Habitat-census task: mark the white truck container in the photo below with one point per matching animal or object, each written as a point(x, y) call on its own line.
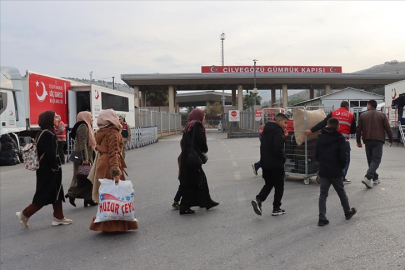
point(23, 99)
point(392, 92)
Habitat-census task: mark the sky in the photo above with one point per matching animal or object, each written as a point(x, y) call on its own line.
point(110, 38)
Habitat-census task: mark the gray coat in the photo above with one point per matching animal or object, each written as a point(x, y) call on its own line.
point(81, 145)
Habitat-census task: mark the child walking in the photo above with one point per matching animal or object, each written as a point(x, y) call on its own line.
point(272, 159)
point(331, 153)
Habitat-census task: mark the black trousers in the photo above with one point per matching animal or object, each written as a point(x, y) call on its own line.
point(272, 178)
point(61, 151)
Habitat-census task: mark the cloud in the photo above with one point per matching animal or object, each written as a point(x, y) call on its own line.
point(111, 38)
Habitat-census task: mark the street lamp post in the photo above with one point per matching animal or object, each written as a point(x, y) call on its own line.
point(222, 37)
point(254, 72)
point(254, 90)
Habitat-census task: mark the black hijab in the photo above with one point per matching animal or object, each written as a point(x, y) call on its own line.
point(46, 120)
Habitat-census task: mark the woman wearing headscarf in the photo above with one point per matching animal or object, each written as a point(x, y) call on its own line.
point(49, 189)
point(193, 182)
point(85, 143)
point(110, 164)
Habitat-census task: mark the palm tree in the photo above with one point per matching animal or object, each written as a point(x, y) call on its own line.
point(157, 98)
point(251, 99)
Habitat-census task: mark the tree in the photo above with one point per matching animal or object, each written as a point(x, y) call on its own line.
point(251, 99)
point(157, 98)
point(213, 110)
point(296, 101)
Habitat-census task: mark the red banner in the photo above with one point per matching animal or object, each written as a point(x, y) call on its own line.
point(271, 69)
point(46, 94)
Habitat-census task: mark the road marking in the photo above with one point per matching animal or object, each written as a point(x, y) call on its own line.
point(10, 171)
point(237, 176)
point(234, 164)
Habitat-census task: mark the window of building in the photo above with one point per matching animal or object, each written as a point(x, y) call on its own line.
point(354, 103)
point(363, 103)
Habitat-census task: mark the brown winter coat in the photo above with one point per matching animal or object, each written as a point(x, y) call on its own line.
point(372, 125)
point(109, 164)
point(109, 145)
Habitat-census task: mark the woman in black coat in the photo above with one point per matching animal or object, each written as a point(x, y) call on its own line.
point(193, 182)
point(49, 188)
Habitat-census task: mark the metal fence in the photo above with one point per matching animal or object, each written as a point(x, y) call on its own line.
point(164, 121)
point(248, 126)
point(140, 136)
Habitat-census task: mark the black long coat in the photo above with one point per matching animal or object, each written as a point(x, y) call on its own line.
point(49, 187)
point(193, 183)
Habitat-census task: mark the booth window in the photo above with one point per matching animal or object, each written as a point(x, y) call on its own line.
point(118, 103)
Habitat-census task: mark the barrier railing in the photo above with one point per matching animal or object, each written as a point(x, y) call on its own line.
point(142, 136)
point(164, 121)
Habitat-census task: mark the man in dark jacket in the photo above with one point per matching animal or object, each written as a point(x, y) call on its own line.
point(272, 159)
point(347, 126)
point(371, 128)
point(331, 153)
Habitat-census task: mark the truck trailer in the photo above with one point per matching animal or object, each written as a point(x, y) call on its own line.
point(24, 98)
point(392, 92)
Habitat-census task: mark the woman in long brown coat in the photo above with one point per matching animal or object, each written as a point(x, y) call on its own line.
point(110, 164)
point(85, 144)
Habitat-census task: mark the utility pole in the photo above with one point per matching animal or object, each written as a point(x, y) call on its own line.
point(222, 37)
point(113, 82)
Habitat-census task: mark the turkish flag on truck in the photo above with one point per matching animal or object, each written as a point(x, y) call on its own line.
point(47, 93)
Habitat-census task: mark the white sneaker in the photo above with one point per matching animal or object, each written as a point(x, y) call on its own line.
point(23, 219)
point(64, 221)
point(376, 182)
point(367, 182)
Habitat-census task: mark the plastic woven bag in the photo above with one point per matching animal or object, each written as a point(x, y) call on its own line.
point(116, 202)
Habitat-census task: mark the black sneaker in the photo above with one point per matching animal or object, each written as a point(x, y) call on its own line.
point(257, 207)
point(352, 212)
point(323, 222)
point(278, 212)
point(254, 169)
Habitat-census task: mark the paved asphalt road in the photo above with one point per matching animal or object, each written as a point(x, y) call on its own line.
point(230, 236)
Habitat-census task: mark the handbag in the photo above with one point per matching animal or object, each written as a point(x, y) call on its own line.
point(82, 173)
point(196, 159)
point(76, 157)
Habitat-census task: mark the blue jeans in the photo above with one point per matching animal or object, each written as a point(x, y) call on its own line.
point(348, 159)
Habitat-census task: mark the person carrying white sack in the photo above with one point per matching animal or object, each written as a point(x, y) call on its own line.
point(110, 165)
